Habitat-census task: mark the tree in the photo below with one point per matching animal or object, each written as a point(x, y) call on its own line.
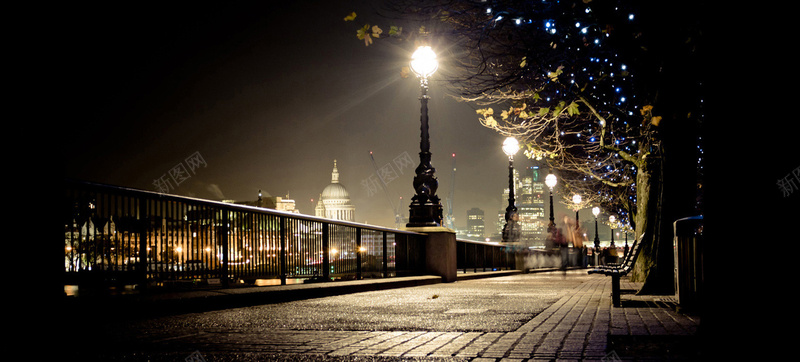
point(603, 91)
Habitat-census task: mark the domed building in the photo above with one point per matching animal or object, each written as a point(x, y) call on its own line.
point(334, 202)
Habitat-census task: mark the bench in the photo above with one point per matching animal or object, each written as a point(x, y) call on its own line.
point(616, 271)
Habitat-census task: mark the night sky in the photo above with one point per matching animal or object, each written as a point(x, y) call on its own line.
point(267, 94)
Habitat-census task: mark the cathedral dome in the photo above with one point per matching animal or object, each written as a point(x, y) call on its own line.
point(334, 201)
point(335, 192)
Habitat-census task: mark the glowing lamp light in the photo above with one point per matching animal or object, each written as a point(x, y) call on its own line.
point(612, 219)
point(550, 181)
point(423, 62)
point(510, 146)
point(576, 199)
point(596, 211)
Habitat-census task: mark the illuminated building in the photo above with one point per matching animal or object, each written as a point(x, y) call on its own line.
point(476, 228)
point(530, 206)
point(334, 202)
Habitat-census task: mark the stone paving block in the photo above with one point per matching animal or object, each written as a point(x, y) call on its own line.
point(432, 345)
point(410, 343)
point(455, 345)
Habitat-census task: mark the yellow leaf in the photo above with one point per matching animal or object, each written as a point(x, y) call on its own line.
point(350, 17)
point(404, 72)
point(363, 34)
point(485, 111)
point(655, 121)
point(376, 31)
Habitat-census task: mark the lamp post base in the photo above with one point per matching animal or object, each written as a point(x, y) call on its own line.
point(422, 215)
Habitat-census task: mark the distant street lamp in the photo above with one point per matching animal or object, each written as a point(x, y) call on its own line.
point(577, 200)
point(595, 212)
point(550, 181)
point(626, 240)
point(611, 220)
point(510, 148)
point(425, 208)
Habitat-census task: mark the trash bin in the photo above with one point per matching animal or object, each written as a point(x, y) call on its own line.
point(688, 249)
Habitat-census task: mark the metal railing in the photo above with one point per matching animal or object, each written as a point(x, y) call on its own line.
point(483, 256)
point(117, 235)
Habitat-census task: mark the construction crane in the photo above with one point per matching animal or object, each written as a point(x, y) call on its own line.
point(449, 221)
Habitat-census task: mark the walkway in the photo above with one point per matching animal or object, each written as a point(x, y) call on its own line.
point(572, 319)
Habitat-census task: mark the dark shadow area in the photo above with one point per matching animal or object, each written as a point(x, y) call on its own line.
point(655, 348)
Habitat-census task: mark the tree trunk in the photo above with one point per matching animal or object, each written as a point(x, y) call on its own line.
point(648, 220)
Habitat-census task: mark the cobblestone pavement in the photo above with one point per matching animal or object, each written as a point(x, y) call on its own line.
point(528, 317)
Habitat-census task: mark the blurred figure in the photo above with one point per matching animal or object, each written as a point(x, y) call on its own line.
point(513, 230)
point(558, 242)
point(575, 236)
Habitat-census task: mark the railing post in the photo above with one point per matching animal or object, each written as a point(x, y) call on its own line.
point(475, 259)
point(385, 257)
point(282, 232)
point(326, 267)
point(142, 230)
point(358, 253)
point(223, 230)
point(464, 262)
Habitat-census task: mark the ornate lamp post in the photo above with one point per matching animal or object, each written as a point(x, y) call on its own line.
point(510, 148)
point(577, 200)
point(425, 208)
point(595, 212)
point(611, 220)
point(550, 181)
point(626, 239)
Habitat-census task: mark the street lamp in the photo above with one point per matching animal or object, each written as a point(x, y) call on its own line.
point(577, 200)
point(425, 208)
point(510, 148)
point(550, 181)
point(595, 212)
point(611, 220)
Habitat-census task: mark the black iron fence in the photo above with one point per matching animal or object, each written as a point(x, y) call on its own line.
point(117, 235)
point(478, 256)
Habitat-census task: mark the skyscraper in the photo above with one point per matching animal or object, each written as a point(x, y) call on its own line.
point(476, 228)
point(529, 195)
